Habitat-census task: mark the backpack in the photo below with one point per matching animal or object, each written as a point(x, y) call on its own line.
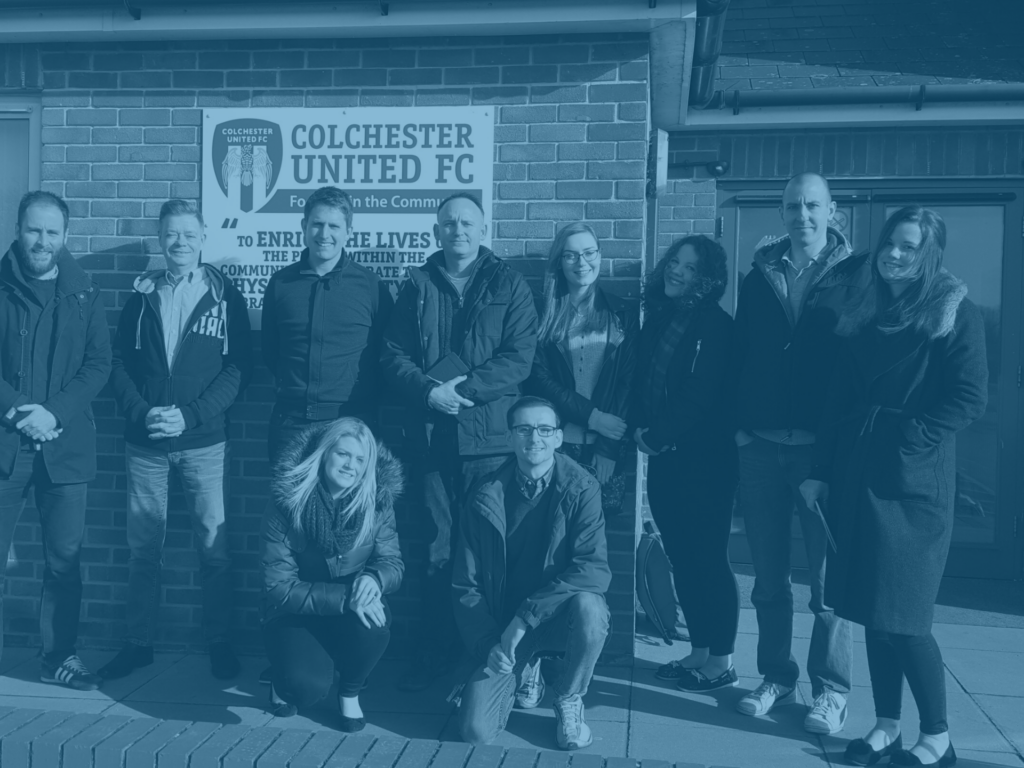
point(654, 587)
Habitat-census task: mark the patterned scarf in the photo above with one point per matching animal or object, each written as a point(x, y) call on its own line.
point(664, 348)
point(323, 526)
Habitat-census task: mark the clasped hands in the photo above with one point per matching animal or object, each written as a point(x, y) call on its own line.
point(502, 658)
point(364, 601)
point(445, 399)
point(164, 421)
point(39, 424)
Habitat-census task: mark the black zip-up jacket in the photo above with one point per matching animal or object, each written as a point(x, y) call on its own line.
point(211, 367)
point(782, 370)
point(553, 378)
point(322, 337)
point(79, 366)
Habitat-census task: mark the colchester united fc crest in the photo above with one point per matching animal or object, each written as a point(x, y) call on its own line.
point(246, 157)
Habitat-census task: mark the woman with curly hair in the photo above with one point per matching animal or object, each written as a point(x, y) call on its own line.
point(682, 424)
point(330, 554)
point(912, 373)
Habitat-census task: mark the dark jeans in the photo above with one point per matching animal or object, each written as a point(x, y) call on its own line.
point(305, 651)
point(578, 629)
point(447, 479)
point(892, 657)
point(692, 507)
point(62, 517)
point(285, 426)
point(770, 477)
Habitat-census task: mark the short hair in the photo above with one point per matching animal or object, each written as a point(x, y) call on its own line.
point(39, 197)
point(531, 401)
point(330, 197)
point(179, 207)
point(805, 175)
point(462, 196)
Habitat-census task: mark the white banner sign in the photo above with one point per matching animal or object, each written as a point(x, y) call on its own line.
point(397, 163)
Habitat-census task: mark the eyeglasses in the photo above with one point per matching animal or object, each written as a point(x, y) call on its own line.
point(526, 430)
point(572, 257)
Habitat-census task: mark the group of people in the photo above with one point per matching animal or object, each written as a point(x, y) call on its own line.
point(836, 391)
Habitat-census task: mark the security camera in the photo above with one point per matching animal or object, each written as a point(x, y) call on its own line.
point(718, 168)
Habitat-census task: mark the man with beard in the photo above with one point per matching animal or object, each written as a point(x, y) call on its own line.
point(54, 359)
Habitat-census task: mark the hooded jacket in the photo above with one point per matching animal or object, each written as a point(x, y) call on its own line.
point(80, 365)
point(498, 347)
point(297, 577)
point(575, 561)
point(210, 369)
point(782, 369)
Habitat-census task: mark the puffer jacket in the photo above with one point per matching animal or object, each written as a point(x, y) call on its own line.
point(576, 553)
point(297, 577)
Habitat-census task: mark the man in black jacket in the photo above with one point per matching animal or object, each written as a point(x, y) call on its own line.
point(181, 357)
point(460, 344)
point(323, 319)
point(785, 348)
point(54, 359)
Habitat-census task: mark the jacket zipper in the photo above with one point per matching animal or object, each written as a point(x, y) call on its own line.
point(695, 356)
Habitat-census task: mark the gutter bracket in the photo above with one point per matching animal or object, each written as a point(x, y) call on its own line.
point(135, 13)
point(383, 8)
point(920, 98)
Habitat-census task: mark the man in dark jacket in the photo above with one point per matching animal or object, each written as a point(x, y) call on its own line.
point(785, 348)
point(531, 569)
point(182, 355)
point(323, 319)
point(460, 344)
point(54, 359)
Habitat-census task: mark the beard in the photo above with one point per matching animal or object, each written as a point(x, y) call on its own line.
point(36, 263)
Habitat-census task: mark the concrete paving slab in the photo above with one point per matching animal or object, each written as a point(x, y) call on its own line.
point(205, 713)
point(1008, 714)
point(978, 638)
point(720, 747)
point(969, 758)
point(15, 657)
point(60, 703)
point(994, 672)
point(189, 681)
point(382, 695)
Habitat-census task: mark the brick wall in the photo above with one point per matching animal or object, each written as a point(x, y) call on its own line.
point(772, 44)
point(121, 133)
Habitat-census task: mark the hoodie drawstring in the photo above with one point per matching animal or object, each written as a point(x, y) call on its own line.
point(138, 325)
point(224, 312)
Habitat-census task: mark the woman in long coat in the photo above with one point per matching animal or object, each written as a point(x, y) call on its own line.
point(913, 374)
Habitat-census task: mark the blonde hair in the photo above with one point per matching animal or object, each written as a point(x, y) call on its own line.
point(299, 483)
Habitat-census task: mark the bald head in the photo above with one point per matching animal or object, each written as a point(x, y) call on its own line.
point(806, 210)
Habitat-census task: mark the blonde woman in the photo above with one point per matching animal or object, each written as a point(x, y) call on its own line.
point(330, 554)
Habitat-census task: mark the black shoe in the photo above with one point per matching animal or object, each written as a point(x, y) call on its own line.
point(906, 757)
point(128, 659)
point(279, 707)
point(224, 664)
point(697, 682)
point(351, 724)
point(859, 752)
point(70, 672)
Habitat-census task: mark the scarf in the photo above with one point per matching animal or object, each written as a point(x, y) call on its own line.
point(323, 524)
point(664, 348)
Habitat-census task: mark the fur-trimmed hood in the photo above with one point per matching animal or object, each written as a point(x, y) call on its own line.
point(390, 473)
point(938, 314)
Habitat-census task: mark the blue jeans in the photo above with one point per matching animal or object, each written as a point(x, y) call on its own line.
point(579, 629)
point(62, 517)
point(201, 471)
point(770, 477)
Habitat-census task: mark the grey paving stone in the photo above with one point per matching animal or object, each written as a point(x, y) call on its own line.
point(317, 750)
point(418, 752)
point(517, 757)
point(16, 720)
point(113, 750)
point(655, 764)
point(246, 752)
point(351, 751)
point(16, 747)
point(553, 760)
point(619, 762)
point(78, 751)
point(451, 755)
point(47, 747)
point(177, 752)
point(142, 754)
point(288, 744)
point(384, 753)
point(213, 749)
point(5, 711)
point(587, 761)
point(487, 756)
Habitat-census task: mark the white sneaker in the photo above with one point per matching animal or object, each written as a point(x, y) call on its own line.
point(828, 713)
point(571, 730)
point(765, 698)
point(531, 688)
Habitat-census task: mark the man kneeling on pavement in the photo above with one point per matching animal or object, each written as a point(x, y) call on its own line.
point(530, 572)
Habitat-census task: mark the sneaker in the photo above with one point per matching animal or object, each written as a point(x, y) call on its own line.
point(128, 659)
point(828, 713)
point(224, 665)
point(72, 673)
point(531, 689)
point(571, 730)
point(672, 671)
point(764, 698)
point(696, 681)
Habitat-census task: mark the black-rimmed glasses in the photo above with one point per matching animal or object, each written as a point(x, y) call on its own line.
point(572, 257)
point(526, 430)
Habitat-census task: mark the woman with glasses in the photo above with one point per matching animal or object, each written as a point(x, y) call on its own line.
point(682, 424)
point(586, 353)
point(912, 373)
point(330, 554)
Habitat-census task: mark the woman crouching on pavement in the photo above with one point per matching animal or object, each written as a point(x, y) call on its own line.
point(912, 373)
point(330, 554)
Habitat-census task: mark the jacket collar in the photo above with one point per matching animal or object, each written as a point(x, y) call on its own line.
point(769, 253)
point(146, 283)
point(486, 264)
point(71, 278)
point(305, 269)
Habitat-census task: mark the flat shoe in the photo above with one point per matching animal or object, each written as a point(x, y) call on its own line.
point(695, 681)
point(906, 757)
point(351, 724)
point(859, 752)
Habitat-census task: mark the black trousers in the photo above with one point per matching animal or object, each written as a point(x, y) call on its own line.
point(305, 651)
point(892, 657)
point(691, 501)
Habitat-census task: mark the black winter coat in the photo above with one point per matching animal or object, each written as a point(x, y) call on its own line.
point(297, 577)
point(553, 378)
point(80, 365)
point(211, 368)
point(498, 348)
point(888, 450)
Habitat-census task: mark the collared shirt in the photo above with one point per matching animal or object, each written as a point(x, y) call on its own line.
point(177, 297)
point(799, 280)
point(531, 488)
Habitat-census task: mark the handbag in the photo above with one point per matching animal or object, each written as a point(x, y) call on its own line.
point(654, 587)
